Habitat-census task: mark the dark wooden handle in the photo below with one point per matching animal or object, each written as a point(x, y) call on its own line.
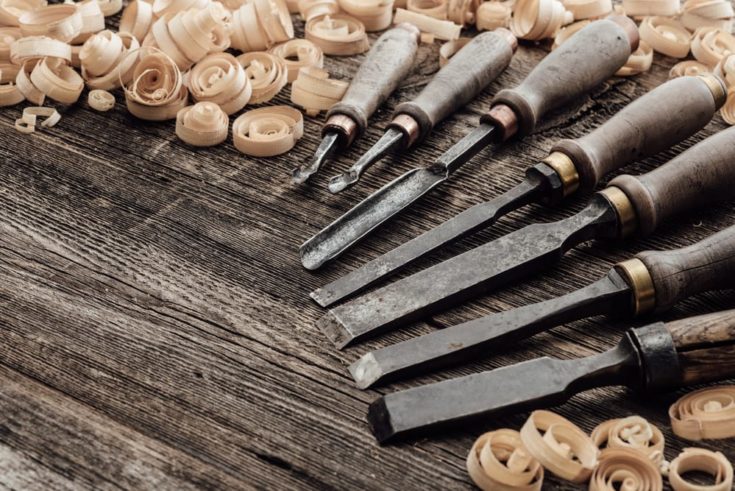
point(702, 175)
point(388, 62)
point(587, 59)
point(705, 266)
point(652, 123)
point(468, 72)
point(706, 346)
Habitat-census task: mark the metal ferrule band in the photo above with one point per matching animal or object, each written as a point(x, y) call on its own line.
point(636, 274)
point(627, 219)
point(566, 169)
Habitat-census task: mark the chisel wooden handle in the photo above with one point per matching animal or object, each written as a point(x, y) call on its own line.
point(468, 72)
point(680, 273)
point(663, 117)
point(706, 346)
point(587, 59)
point(702, 175)
point(387, 63)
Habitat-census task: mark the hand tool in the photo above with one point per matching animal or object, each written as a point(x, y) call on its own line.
point(652, 281)
point(654, 358)
point(699, 176)
point(591, 56)
point(468, 72)
point(652, 123)
point(388, 62)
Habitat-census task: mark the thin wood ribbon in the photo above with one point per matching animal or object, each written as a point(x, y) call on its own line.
point(665, 36)
point(433, 8)
point(36, 47)
point(10, 95)
point(633, 433)
point(640, 8)
point(705, 414)
point(312, 9)
point(137, 19)
point(156, 91)
point(104, 61)
point(57, 80)
point(699, 459)
point(11, 10)
point(688, 68)
point(711, 44)
point(267, 75)
point(625, 469)
point(491, 15)
point(202, 125)
point(538, 19)
point(588, 9)
point(296, 54)
point(100, 100)
point(498, 461)
point(451, 48)
point(441, 29)
point(375, 15)
point(315, 91)
point(708, 13)
point(220, 78)
point(339, 35)
point(60, 21)
point(267, 131)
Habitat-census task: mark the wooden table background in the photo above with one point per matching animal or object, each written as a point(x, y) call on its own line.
point(156, 327)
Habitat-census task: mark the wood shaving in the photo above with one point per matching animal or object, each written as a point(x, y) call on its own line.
point(202, 125)
point(688, 68)
point(427, 38)
point(296, 54)
point(110, 7)
point(36, 47)
point(29, 120)
point(339, 35)
point(260, 24)
point(451, 48)
point(311, 9)
point(9, 93)
point(633, 433)
point(699, 459)
point(137, 19)
point(221, 79)
point(462, 12)
point(198, 32)
point(705, 414)
point(725, 69)
point(491, 15)
point(267, 131)
point(665, 36)
point(267, 75)
point(156, 91)
point(100, 100)
point(61, 21)
point(93, 20)
point(640, 8)
point(442, 29)
point(567, 32)
point(8, 36)
point(625, 469)
point(639, 61)
point(538, 19)
point(315, 91)
point(25, 86)
point(162, 8)
point(498, 461)
point(708, 13)
point(56, 80)
point(433, 8)
point(588, 9)
point(11, 10)
point(711, 44)
point(104, 61)
point(375, 15)
point(560, 446)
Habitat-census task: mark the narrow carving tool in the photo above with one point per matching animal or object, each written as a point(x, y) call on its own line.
point(651, 282)
point(700, 176)
point(650, 359)
point(655, 122)
point(468, 72)
point(389, 61)
point(591, 56)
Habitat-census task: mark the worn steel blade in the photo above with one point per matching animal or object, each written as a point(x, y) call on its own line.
point(326, 149)
point(459, 343)
point(462, 225)
point(488, 266)
point(389, 200)
point(534, 384)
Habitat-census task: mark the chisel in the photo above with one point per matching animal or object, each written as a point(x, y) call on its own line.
point(650, 359)
point(701, 175)
point(651, 282)
point(587, 59)
point(652, 123)
point(468, 72)
point(387, 63)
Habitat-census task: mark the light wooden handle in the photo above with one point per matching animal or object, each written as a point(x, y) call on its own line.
point(663, 117)
point(702, 175)
point(587, 59)
point(389, 61)
point(466, 74)
point(706, 346)
point(705, 266)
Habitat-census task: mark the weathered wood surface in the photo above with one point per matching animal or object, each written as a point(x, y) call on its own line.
point(156, 326)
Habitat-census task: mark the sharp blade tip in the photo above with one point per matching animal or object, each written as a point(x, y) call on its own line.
point(309, 260)
point(332, 327)
point(366, 371)
point(339, 183)
point(318, 296)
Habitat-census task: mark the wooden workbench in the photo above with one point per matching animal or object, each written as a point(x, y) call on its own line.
point(157, 331)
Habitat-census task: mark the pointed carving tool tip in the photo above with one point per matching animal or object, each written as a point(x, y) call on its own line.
point(366, 371)
point(326, 148)
point(333, 328)
point(391, 139)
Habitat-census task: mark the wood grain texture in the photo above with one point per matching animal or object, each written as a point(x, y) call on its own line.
point(156, 325)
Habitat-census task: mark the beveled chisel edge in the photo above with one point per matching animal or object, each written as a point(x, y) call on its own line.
point(366, 371)
point(334, 329)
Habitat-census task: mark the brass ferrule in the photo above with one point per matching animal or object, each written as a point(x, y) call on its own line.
point(627, 218)
point(409, 127)
point(717, 87)
point(566, 170)
point(636, 274)
point(504, 119)
point(344, 125)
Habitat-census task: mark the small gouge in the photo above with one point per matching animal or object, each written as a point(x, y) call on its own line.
point(651, 282)
point(654, 358)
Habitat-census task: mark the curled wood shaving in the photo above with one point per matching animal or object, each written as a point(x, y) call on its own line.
point(293, 6)
point(267, 131)
point(298, 53)
point(538, 19)
point(260, 24)
point(137, 19)
point(699, 459)
point(340, 35)
point(198, 32)
point(375, 15)
point(110, 7)
point(491, 15)
point(498, 461)
point(61, 21)
point(267, 75)
point(450, 48)
point(221, 79)
point(710, 45)
point(665, 36)
point(462, 12)
point(442, 29)
point(156, 91)
point(560, 446)
point(101, 100)
point(433, 8)
point(57, 80)
point(633, 433)
point(588, 9)
point(25, 86)
point(162, 8)
point(625, 469)
point(11, 10)
point(705, 414)
point(8, 36)
point(202, 125)
point(568, 31)
point(29, 120)
point(688, 68)
point(9, 93)
point(315, 91)
point(708, 13)
point(36, 47)
point(93, 20)
point(311, 9)
point(427, 38)
point(639, 8)
point(104, 61)
point(639, 61)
